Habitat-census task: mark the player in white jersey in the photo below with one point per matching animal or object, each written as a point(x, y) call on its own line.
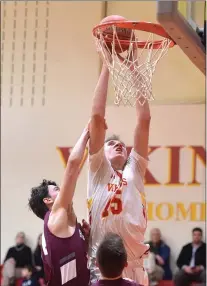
point(116, 198)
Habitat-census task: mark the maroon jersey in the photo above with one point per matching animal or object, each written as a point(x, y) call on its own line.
point(65, 259)
point(117, 282)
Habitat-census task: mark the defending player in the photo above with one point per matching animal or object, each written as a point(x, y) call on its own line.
point(116, 196)
point(111, 258)
point(63, 244)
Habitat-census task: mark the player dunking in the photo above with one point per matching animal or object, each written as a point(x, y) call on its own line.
point(63, 244)
point(116, 196)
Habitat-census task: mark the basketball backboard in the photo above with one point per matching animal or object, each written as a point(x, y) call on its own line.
point(184, 22)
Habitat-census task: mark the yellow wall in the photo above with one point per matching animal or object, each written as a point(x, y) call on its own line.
point(30, 134)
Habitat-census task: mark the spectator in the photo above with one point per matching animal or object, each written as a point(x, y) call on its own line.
point(29, 279)
point(17, 257)
point(38, 258)
point(111, 259)
point(159, 258)
point(192, 261)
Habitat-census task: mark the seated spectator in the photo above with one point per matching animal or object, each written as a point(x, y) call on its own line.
point(158, 259)
point(16, 258)
point(38, 258)
point(192, 261)
point(29, 279)
point(112, 259)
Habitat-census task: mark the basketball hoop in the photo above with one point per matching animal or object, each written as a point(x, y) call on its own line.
point(131, 62)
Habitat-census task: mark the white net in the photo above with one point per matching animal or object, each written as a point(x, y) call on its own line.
point(131, 64)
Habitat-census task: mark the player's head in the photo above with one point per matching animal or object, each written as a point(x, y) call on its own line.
point(197, 235)
point(116, 152)
point(42, 197)
point(111, 256)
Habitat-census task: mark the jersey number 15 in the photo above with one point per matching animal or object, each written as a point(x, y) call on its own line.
point(114, 205)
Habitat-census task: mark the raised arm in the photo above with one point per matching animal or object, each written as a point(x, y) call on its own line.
point(141, 134)
point(67, 189)
point(97, 124)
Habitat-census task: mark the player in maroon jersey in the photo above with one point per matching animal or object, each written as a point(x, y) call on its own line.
point(64, 249)
point(111, 258)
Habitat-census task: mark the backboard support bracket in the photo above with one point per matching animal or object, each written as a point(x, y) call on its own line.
point(182, 33)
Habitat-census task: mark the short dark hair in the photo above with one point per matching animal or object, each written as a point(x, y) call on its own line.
point(115, 138)
point(197, 229)
point(111, 256)
point(38, 193)
point(112, 137)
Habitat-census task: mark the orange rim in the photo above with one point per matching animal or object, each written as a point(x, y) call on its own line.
point(140, 26)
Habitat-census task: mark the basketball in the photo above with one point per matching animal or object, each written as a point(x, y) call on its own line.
point(121, 34)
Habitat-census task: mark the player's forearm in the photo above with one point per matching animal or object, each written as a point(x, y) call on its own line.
point(77, 153)
point(100, 94)
point(141, 134)
point(71, 172)
point(67, 189)
point(143, 111)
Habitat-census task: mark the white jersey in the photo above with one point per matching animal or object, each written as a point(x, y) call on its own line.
point(116, 202)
